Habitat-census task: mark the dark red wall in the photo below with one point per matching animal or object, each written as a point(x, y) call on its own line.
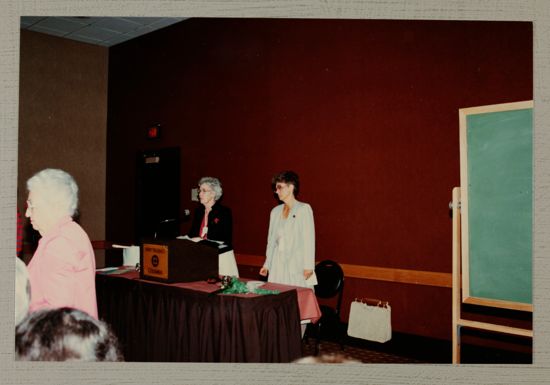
point(365, 111)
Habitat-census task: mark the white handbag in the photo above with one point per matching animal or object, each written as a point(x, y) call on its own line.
point(370, 322)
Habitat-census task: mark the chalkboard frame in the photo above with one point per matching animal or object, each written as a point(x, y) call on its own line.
point(464, 113)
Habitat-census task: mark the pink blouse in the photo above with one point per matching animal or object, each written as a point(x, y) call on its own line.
point(62, 270)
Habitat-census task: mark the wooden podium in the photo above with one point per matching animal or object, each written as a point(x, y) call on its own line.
point(177, 260)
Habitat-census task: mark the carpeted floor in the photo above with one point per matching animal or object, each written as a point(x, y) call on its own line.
point(353, 353)
point(402, 349)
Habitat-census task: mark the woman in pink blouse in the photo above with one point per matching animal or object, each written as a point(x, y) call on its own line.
point(62, 270)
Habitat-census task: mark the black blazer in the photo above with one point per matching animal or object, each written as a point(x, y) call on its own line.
point(220, 225)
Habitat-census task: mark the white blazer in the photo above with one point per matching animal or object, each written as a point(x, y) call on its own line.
point(299, 235)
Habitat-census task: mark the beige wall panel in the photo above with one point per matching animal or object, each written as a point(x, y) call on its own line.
point(63, 119)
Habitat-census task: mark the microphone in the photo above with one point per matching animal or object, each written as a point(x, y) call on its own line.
point(167, 220)
point(160, 223)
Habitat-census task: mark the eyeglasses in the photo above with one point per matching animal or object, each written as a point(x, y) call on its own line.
point(280, 187)
point(29, 205)
point(205, 191)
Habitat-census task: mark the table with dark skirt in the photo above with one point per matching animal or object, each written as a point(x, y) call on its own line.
point(187, 322)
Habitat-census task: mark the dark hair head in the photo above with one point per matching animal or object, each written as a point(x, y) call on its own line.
point(64, 334)
point(288, 177)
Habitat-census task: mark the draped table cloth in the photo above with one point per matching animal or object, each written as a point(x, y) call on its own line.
point(187, 322)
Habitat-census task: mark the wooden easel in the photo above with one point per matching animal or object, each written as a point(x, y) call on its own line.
point(458, 322)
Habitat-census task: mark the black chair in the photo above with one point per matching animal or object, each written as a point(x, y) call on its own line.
point(330, 284)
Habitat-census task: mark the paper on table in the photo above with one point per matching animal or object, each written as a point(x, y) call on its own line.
point(105, 269)
point(197, 239)
point(121, 270)
point(194, 239)
point(114, 270)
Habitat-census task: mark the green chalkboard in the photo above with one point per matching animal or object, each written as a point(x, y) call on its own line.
point(497, 202)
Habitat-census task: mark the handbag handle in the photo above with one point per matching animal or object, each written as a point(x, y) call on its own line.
point(372, 302)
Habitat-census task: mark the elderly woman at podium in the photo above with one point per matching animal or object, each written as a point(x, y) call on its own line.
point(62, 270)
point(214, 222)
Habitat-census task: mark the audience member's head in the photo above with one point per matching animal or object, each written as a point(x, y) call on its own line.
point(53, 194)
point(22, 291)
point(65, 334)
point(326, 359)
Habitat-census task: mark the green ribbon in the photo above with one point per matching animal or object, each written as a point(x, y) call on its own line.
point(239, 287)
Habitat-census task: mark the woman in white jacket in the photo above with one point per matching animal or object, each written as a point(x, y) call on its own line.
point(290, 253)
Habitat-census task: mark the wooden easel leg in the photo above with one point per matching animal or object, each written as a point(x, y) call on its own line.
point(456, 306)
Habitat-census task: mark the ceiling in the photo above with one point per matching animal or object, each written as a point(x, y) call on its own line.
point(104, 31)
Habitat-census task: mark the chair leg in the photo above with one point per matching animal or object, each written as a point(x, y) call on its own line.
point(341, 335)
point(342, 345)
point(317, 337)
point(308, 333)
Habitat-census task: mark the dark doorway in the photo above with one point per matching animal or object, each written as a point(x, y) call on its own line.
point(158, 194)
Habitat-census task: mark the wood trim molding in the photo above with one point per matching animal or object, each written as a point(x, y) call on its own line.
point(496, 328)
point(388, 274)
point(499, 303)
point(415, 277)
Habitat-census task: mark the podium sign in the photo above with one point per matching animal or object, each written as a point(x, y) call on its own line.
point(155, 261)
point(178, 260)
